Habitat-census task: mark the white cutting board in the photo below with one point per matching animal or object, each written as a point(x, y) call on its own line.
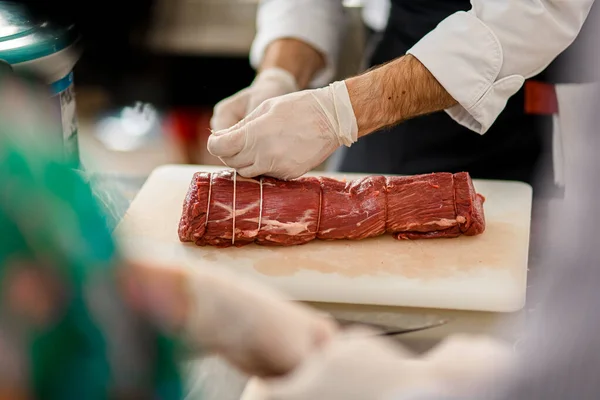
point(482, 273)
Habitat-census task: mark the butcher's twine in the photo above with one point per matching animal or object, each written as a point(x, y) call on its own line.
point(208, 202)
point(319, 216)
point(260, 205)
point(233, 207)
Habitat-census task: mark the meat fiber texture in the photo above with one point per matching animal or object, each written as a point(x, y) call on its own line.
point(224, 209)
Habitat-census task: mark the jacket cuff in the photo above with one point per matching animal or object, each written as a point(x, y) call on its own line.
point(321, 31)
point(465, 56)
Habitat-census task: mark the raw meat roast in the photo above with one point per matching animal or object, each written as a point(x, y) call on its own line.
point(224, 209)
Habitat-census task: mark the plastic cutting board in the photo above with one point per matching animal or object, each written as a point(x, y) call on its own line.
point(482, 273)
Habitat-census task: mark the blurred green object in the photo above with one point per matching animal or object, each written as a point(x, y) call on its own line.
point(94, 346)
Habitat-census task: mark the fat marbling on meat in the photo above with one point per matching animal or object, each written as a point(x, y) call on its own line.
point(223, 209)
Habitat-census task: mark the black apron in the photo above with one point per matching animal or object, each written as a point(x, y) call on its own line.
point(511, 149)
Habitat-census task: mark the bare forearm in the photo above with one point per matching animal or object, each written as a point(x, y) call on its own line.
point(295, 56)
point(397, 91)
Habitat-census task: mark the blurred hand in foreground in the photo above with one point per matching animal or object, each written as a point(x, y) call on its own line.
point(254, 328)
point(357, 365)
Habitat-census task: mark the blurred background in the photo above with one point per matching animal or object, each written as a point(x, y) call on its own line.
point(171, 60)
point(152, 71)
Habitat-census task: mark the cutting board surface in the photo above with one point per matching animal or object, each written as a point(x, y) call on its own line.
point(483, 273)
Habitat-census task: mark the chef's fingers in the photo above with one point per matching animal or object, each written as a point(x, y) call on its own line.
point(241, 160)
point(230, 111)
point(242, 136)
point(257, 169)
point(259, 111)
point(252, 171)
point(227, 143)
point(282, 172)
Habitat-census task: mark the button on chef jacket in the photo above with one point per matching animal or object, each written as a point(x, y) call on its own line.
point(481, 52)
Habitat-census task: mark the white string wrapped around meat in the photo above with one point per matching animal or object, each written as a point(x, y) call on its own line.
point(224, 209)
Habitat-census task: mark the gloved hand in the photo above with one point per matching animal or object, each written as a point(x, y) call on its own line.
point(355, 366)
point(269, 83)
point(256, 329)
point(287, 136)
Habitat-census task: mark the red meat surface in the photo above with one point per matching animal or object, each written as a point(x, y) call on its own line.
point(223, 209)
point(193, 220)
point(290, 211)
point(469, 205)
point(352, 210)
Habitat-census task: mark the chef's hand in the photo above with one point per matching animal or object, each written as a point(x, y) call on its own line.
point(269, 83)
point(287, 136)
point(362, 367)
point(254, 328)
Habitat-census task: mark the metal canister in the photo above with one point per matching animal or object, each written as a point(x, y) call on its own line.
point(50, 52)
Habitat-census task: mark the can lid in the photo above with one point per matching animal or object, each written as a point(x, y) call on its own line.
point(22, 38)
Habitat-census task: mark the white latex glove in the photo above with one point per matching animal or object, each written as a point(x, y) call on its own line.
point(377, 368)
point(256, 329)
point(269, 83)
point(289, 135)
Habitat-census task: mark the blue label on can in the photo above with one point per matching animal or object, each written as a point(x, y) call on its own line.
point(62, 84)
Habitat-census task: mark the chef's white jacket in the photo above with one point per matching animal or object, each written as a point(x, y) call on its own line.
point(481, 56)
point(375, 13)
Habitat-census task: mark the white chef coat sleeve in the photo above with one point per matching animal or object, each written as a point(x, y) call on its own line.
point(483, 56)
point(320, 23)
